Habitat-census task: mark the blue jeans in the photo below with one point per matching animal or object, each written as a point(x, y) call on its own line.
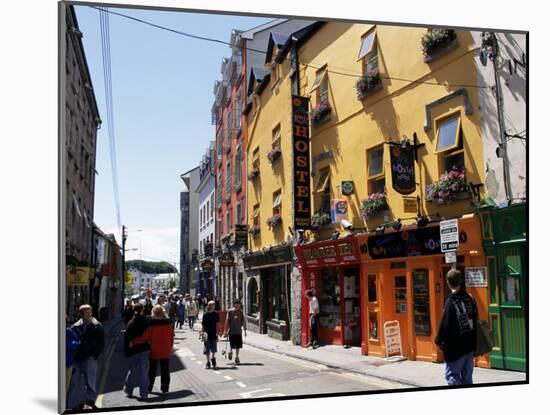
point(88, 370)
point(460, 371)
point(138, 374)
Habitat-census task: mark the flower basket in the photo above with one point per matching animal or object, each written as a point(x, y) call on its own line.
point(367, 83)
point(254, 230)
point(274, 221)
point(451, 186)
point(431, 41)
point(320, 218)
point(274, 155)
point(373, 204)
point(320, 113)
point(253, 174)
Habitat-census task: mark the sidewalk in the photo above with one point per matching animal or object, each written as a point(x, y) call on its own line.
point(406, 372)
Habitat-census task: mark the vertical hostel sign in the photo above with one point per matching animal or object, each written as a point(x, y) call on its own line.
point(300, 145)
point(402, 169)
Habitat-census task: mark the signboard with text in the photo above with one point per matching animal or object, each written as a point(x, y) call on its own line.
point(449, 235)
point(300, 146)
point(402, 169)
point(392, 338)
point(415, 242)
point(475, 276)
point(338, 210)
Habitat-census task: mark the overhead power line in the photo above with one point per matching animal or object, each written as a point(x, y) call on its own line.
point(310, 64)
point(107, 76)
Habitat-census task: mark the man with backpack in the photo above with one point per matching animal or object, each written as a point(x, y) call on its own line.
point(457, 332)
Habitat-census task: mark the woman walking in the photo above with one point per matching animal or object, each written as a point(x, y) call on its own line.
point(192, 310)
point(160, 334)
point(138, 356)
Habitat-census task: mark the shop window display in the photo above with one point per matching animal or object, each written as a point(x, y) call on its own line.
point(421, 302)
point(329, 299)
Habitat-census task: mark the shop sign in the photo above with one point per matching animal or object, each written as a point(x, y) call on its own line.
point(338, 210)
point(207, 265)
point(241, 235)
point(402, 169)
point(333, 254)
point(348, 187)
point(416, 242)
point(476, 276)
point(227, 260)
point(271, 257)
point(410, 205)
point(78, 276)
point(392, 338)
point(450, 257)
point(449, 235)
point(300, 145)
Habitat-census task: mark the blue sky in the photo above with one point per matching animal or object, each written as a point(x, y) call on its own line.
point(162, 95)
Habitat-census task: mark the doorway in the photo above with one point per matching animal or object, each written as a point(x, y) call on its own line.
point(400, 307)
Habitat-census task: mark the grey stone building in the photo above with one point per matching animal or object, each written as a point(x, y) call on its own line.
point(184, 241)
point(189, 266)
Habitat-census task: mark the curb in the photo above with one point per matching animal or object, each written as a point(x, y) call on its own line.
point(333, 366)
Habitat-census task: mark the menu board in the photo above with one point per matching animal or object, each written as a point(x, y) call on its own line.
point(421, 302)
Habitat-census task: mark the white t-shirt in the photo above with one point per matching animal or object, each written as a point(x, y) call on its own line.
point(313, 305)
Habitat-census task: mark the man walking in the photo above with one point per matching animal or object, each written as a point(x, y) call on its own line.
point(313, 319)
point(85, 358)
point(192, 310)
point(209, 334)
point(234, 324)
point(457, 333)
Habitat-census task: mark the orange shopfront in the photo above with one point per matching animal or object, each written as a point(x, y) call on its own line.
point(332, 269)
point(404, 275)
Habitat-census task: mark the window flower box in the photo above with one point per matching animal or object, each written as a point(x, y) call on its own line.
point(367, 84)
point(321, 218)
point(274, 221)
point(320, 113)
point(254, 230)
point(253, 174)
point(373, 204)
point(450, 187)
point(274, 154)
point(437, 42)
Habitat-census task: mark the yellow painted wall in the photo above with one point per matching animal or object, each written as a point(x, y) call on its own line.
point(396, 110)
point(274, 108)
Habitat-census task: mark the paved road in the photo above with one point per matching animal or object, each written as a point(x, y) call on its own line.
point(260, 374)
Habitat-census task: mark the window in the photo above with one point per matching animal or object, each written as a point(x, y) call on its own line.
point(449, 143)
point(421, 302)
point(256, 158)
point(376, 180)
point(277, 199)
point(228, 126)
point(322, 186)
point(207, 211)
point(256, 214)
point(219, 141)
point(219, 189)
point(275, 74)
point(329, 298)
point(372, 295)
point(319, 77)
point(369, 52)
point(228, 221)
point(228, 179)
point(400, 292)
point(276, 137)
point(212, 206)
point(238, 213)
point(253, 303)
point(238, 110)
point(238, 166)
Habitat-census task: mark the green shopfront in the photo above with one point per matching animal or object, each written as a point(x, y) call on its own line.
point(504, 233)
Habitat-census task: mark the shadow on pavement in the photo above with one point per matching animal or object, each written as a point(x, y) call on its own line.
point(225, 367)
point(250, 364)
point(48, 403)
point(170, 395)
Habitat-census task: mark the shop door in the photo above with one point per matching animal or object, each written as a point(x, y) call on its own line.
point(351, 307)
point(508, 319)
point(401, 310)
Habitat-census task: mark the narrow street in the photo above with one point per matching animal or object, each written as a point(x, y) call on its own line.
point(260, 374)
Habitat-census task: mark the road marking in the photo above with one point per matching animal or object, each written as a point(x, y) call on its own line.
point(248, 395)
point(290, 359)
point(217, 372)
point(192, 358)
point(228, 377)
point(372, 380)
point(198, 362)
point(242, 385)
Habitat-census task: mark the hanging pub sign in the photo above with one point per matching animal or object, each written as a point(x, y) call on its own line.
point(241, 235)
point(338, 210)
point(402, 169)
point(227, 260)
point(300, 145)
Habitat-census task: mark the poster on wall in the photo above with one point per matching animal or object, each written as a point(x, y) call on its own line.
point(338, 210)
point(476, 276)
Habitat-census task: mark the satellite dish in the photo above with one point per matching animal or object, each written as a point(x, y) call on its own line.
point(483, 57)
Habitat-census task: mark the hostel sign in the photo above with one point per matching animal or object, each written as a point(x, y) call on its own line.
point(300, 145)
point(402, 169)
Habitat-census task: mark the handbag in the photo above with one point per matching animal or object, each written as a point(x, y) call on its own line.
point(484, 340)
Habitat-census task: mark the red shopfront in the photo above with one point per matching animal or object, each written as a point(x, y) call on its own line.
point(332, 269)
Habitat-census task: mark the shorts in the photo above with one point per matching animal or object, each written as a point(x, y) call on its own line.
point(210, 346)
point(236, 341)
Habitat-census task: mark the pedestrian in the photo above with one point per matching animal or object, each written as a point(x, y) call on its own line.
point(86, 354)
point(173, 309)
point(128, 311)
point(313, 319)
point(217, 306)
point(72, 341)
point(160, 335)
point(138, 356)
point(209, 334)
point(192, 310)
point(199, 301)
point(234, 325)
point(148, 307)
point(180, 312)
point(457, 332)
